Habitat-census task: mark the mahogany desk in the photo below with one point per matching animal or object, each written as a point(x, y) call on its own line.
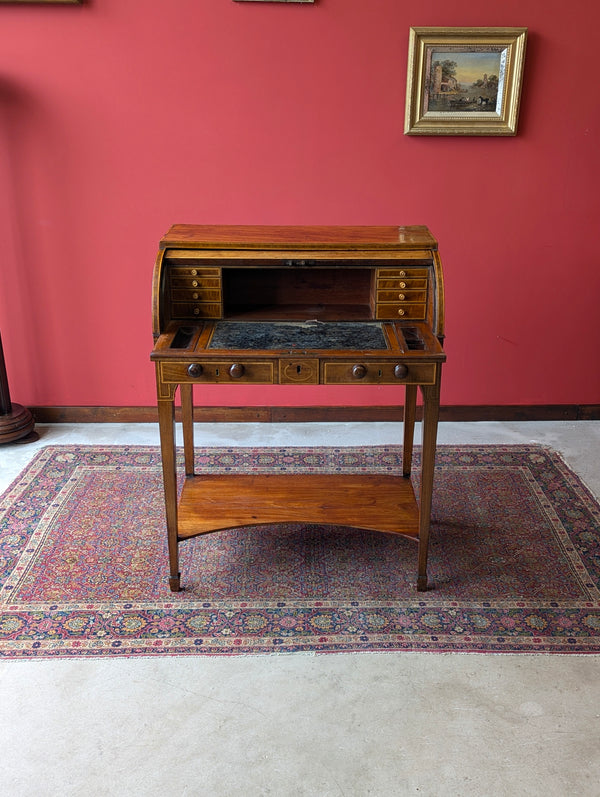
point(297, 305)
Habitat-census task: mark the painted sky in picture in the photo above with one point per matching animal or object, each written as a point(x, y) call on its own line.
point(470, 66)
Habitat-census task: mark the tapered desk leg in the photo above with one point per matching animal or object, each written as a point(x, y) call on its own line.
point(187, 422)
point(431, 411)
point(166, 422)
point(410, 413)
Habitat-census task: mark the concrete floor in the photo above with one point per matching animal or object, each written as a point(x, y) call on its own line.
point(342, 724)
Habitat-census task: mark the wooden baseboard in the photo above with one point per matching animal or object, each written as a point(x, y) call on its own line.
point(513, 412)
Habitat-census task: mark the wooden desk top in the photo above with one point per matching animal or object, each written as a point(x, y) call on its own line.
point(297, 237)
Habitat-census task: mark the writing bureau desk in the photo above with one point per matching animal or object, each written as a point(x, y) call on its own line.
point(297, 306)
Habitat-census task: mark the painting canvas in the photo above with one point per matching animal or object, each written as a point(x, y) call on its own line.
point(464, 80)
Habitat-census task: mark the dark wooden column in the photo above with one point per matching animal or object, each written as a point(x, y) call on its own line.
point(16, 421)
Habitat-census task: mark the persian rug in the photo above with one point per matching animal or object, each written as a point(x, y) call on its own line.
point(514, 556)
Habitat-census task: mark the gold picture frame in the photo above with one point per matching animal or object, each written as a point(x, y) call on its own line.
point(464, 81)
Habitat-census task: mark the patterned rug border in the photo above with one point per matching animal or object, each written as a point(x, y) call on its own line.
point(90, 629)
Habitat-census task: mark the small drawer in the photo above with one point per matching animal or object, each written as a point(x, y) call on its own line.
point(401, 295)
point(403, 310)
point(196, 310)
point(299, 372)
point(383, 373)
point(408, 284)
point(196, 295)
point(194, 271)
point(191, 282)
point(402, 272)
point(226, 371)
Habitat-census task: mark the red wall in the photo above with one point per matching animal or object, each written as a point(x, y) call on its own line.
point(121, 117)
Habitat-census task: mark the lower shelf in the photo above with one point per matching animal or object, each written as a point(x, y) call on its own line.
point(223, 501)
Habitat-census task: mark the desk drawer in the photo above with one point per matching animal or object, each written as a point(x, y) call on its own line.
point(402, 272)
point(401, 295)
point(355, 372)
point(402, 284)
point(194, 271)
point(405, 310)
point(197, 295)
point(189, 310)
point(301, 371)
point(195, 282)
point(224, 371)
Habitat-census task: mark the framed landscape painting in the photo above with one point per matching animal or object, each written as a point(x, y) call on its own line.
point(464, 81)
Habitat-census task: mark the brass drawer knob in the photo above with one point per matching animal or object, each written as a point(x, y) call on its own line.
point(194, 370)
point(402, 285)
point(236, 371)
point(401, 296)
point(193, 272)
point(359, 371)
point(401, 311)
point(403, 273)
point(194, 283)
point(401, 371)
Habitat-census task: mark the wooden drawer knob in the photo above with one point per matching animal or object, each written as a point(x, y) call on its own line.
point(236, 371)
point(359, 371)
point(401, 371)
point(194, 370)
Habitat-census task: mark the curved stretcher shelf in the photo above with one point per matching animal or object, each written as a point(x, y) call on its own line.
point(381, 503)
